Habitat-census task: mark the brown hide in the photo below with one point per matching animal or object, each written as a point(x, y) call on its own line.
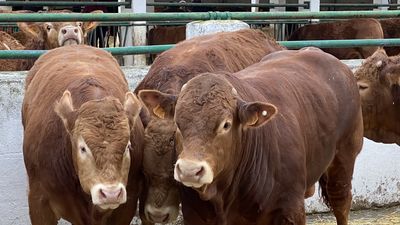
point(171, 70)
point(390, 29)
point(7, 42)
point(378, 80)
point(263, 136)
point(93, 77)
point(162, 35)
point(338, 30)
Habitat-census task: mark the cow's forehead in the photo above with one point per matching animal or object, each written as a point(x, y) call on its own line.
point(58, 25)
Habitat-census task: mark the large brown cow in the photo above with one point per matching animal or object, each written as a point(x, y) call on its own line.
point(252, 143)
point(162, 35)
point(378, 80)
point(349, 29)
point(82, 136)
point(223, 51)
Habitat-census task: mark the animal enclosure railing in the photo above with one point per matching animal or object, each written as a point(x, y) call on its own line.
point(32, 17)
point(63, 3)
point(21, 54)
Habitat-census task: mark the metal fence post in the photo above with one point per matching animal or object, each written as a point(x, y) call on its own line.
point(139, 32)
point(128, 59)
point(5, 7)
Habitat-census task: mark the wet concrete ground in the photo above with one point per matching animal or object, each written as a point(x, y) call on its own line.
point(383, 216)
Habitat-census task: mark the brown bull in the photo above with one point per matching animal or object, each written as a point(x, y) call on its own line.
point(349, 29)
point(219, 52)
point(82, 139)
point(378, 80)
point(253, 143)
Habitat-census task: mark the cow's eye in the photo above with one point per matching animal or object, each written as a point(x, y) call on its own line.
point(48, 27)
point(79, 24)
point(83, 149)
point(227, 125)
point(171, 140)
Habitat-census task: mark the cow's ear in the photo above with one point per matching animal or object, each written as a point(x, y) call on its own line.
point(90, 25)
point(31, 29)
point(132, 107)
point(159, 104)
point(254, 114)
point(65, 110)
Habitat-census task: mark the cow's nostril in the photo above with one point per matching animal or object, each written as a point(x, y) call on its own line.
point(102, 194)
point(64, 31)
point(200, 172)
point(76, 30)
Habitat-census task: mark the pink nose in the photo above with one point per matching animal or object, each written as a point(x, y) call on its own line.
point(110, 194)
point(190, 172)
point(70, 32)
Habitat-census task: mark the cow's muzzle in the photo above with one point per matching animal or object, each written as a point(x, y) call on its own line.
point(165, 214)
point(108, 196)
point(193, 173)
point(69, 35)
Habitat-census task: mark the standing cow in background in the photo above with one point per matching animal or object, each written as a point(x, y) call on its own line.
point(390, 29)
point(252, 143)
point(82, 139)
point(225, 51)
point(49, 35)
point(349, 29)
point(378, 80)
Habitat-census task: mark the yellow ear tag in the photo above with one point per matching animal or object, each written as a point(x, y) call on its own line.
point(159, 112)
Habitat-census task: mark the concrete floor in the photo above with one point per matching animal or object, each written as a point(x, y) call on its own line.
point(383, 216)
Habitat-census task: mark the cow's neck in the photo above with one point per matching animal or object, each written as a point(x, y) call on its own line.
point(383, 128)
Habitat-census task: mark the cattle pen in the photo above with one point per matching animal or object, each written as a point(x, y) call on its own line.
point(377, 172)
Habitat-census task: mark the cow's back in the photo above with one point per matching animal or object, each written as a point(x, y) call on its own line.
point(224, 51)
point(390, 29)
point(363, 28)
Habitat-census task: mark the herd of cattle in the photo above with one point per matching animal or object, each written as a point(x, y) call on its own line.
point(230, 128)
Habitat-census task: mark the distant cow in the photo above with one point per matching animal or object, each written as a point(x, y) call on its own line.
point(223, 51)
point(378, 80)
point(82, 139)
point(338, 30)
point(390, 29)
point(49, 35)
point(251, 143)
point(163, 35)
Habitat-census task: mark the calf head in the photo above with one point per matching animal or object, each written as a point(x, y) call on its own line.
point(57, 34)
point(100, 134)
point(378, 81)
point(210, 119)
point(162, 200)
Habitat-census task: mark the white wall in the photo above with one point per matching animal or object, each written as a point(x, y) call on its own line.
point(376, 178)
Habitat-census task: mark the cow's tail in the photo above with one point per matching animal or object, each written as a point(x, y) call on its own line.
point(323, 181)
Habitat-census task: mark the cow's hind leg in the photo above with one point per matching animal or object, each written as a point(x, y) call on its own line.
point(40, 211)
point(336, 181)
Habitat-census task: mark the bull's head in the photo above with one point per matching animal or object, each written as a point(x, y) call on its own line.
point(100, 134)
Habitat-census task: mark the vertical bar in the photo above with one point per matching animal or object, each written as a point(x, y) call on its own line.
point(314, 7)
point(139, 32)
point(126, 40)
point(254, 9)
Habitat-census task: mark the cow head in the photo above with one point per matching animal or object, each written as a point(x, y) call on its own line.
point(100, 133)
point(210, 118)
point(162, 200)
point(57, 34)
point(378, 81)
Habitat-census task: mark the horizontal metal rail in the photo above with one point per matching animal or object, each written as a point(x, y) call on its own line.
point(265, 5)
point(45, 17)
point(62, 3)
point(132, 50)
point(355, 5)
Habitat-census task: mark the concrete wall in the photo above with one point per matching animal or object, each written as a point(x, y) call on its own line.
point(376, 178)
